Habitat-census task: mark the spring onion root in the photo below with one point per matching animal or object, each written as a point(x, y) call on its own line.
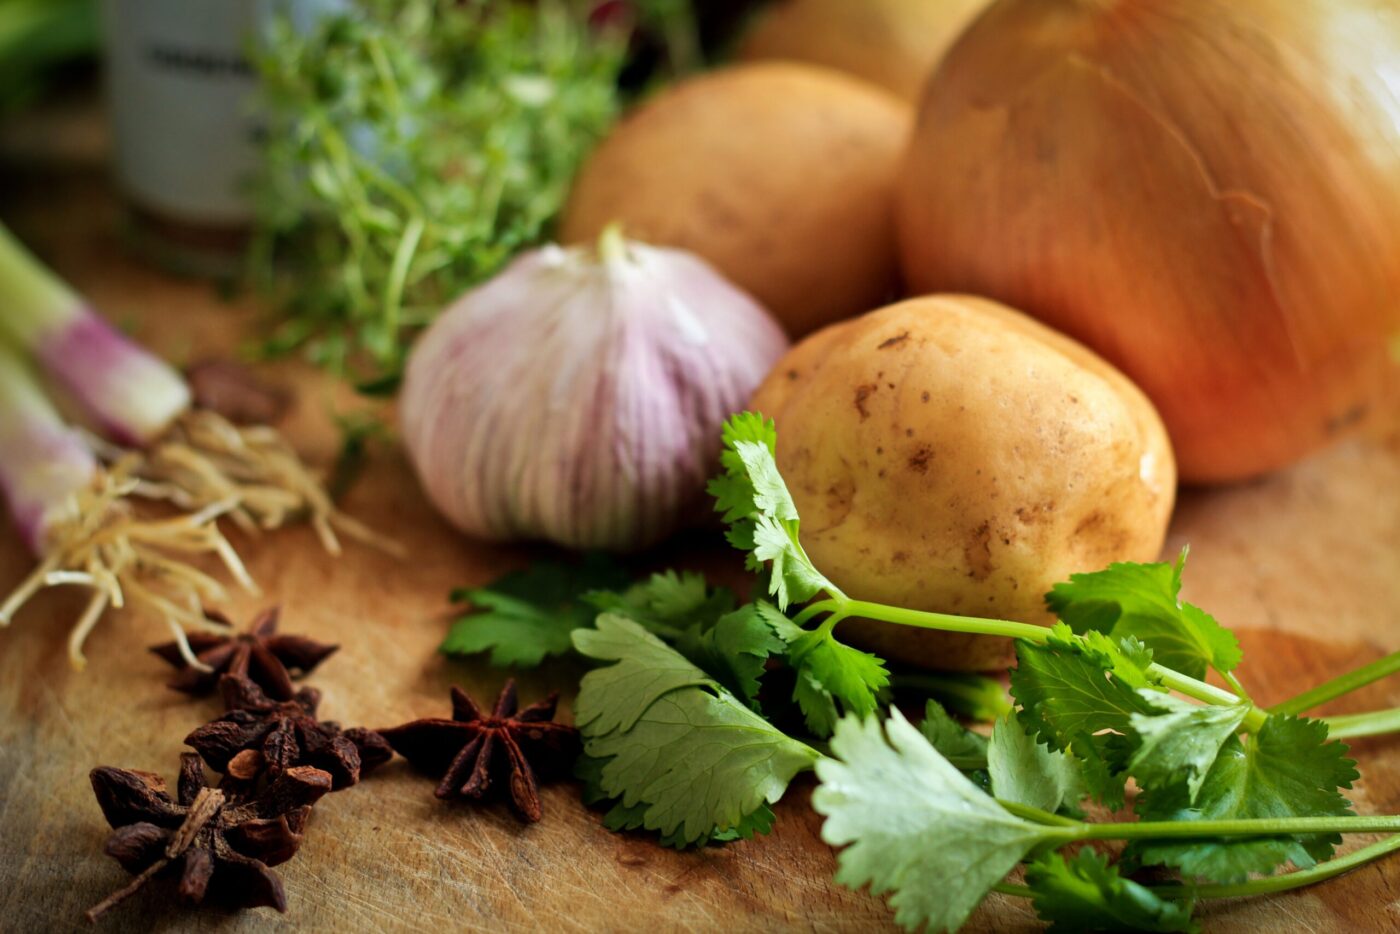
point(205, 461)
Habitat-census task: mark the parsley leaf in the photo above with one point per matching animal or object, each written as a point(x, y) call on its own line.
point(527, 615)
point(1142, 600)
point(1181, 741)
point(1088, 894)
point(697, 758)
point(913, 825)
point(966, 750)
point(1288, 769)
point(1074, 688)
point(1025, 772)
point(760, 512)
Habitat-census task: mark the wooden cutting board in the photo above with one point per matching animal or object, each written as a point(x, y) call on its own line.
point(1306, 564)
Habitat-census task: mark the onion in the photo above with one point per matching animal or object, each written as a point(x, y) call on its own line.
point(1207, 192)
point(578, 397)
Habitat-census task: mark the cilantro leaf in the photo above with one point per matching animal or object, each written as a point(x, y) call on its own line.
point(762, 517)
point(621, 817)
point(966, 750)
point(527, 615)
point(696, 758)
point(734, 651)
point(1181, 740)
point(615, 697)
point(974, 696)
point(1088, 894)
point(913, 825)
point(1025, 772)
point(1072, 690)
point(667, 600)
point(1142, 600)
point(1288, 769)
point(832, 678)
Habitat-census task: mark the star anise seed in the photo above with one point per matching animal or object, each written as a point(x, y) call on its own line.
point(220, 847)
point(263, 737)
point(260, 654)
point(473, 748)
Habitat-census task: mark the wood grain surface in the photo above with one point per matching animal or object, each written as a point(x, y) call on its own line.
point(1306, 564)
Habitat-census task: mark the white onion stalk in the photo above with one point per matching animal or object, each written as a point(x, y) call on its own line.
point(578, 396)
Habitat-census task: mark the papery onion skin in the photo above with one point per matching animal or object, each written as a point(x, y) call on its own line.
point(579, 400)
point(1205, 192)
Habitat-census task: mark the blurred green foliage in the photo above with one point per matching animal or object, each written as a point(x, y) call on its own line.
point(36, 38)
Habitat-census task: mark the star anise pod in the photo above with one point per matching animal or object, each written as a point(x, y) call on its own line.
point(221, 848)
point(260, 654)
point(261, 737)
point(473, 749)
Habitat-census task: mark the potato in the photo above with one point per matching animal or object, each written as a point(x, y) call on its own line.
point(781, 175)
point(893, 43)
point(947, 453)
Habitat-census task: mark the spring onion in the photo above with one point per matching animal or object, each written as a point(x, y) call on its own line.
point(74, 496)
point(133, 395)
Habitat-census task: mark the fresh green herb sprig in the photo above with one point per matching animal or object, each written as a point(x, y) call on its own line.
point(681, 724)
point(413, 147)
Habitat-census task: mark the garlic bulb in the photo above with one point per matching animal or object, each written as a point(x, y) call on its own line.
point(578, 396)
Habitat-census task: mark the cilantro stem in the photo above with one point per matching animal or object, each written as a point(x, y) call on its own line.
point(1235, 686)
point(1345, 684)
point(1241, 827)
point(946, 622)
point(1036, 814)
point(1371, 723)
point(1293, 880)
point(816, 609)
point(1269, 885)
point(1174, 680)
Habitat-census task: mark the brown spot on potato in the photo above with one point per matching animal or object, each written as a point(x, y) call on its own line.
point(978, 553)
point(1089, 523)
point(863, 392)
point(919, 460)
point(893, 341)
point(793, 375)
point(1347, 419)
point(924, 396)
point(900, 557)
point(1030, 515)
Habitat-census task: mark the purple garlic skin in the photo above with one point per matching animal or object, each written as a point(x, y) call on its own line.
point(578, 398)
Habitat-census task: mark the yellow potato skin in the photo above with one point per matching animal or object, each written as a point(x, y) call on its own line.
point(947, 453)
point(781, 175)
